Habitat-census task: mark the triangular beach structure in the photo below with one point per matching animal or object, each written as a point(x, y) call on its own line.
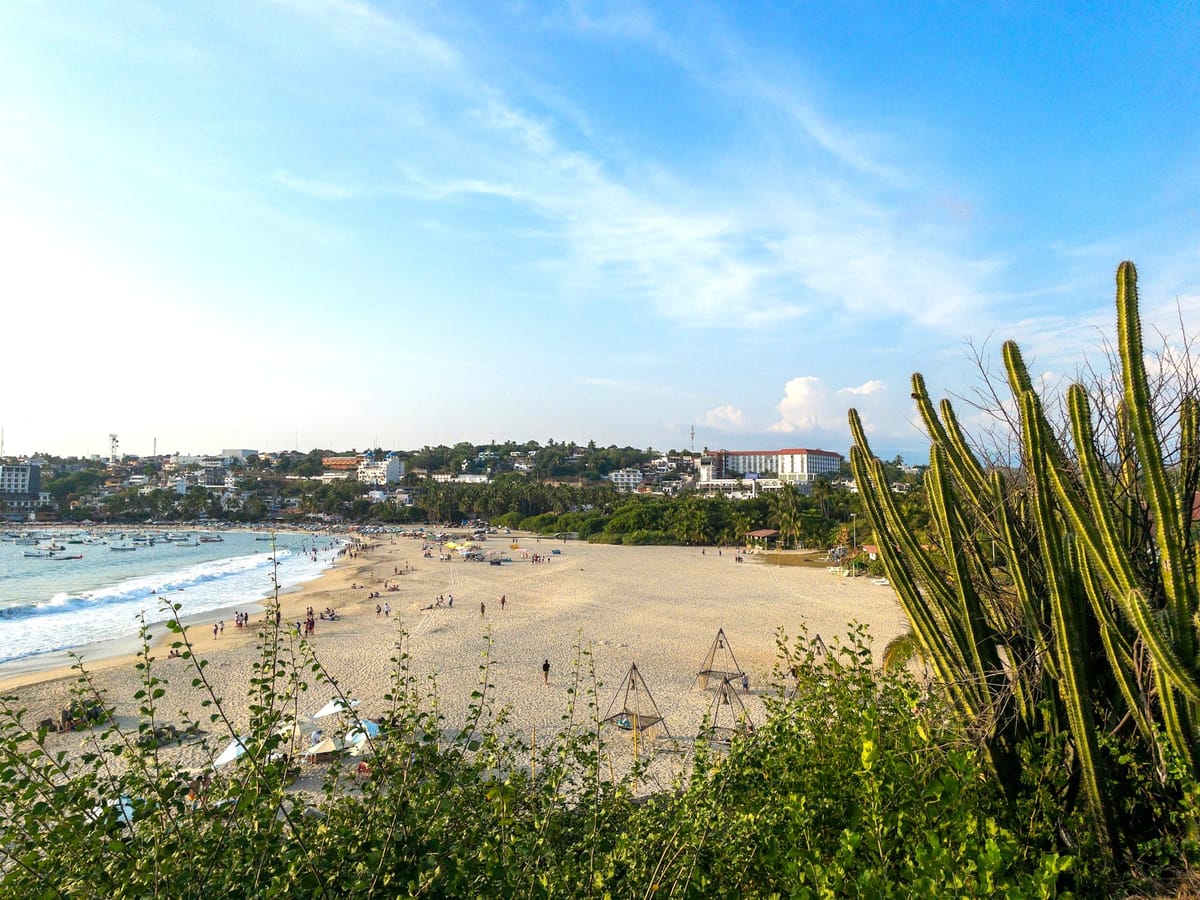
point(719, 663)
point(817, 646)
point(633, 708)
point(727, 716)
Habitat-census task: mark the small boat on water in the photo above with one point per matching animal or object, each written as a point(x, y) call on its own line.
point(211, 538)
point(55, 548)
point(120, 547)
point(57, 556)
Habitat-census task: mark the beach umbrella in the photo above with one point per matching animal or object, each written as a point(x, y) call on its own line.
point(329, 745)
point(235, 750)
point(361, 732)
point(294, 729)
point(334, 707)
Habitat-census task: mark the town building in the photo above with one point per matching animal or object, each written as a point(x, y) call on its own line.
point(800, 466)
point(627, 479)
point(21, 489)
point(387, 471)
point(346, 465)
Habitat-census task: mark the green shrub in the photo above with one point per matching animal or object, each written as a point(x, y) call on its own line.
point(508, 520)
point(545, 523)
point(856, 784)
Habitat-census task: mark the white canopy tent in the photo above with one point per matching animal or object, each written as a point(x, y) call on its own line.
point(334, 707)
point(235, 750)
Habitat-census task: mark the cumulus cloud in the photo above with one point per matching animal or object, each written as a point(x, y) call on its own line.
point(874, 386)
point(724, 418)
point(810, 405)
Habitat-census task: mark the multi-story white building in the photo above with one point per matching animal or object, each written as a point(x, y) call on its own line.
point(21, 488)
point(627, 479)
point(20, 479)
point(389, 471)
point(798, 466)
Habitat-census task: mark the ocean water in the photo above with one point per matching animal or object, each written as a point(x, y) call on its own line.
point(58, 604)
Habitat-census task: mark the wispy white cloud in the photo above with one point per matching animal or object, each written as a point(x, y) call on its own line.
point(361, 24)
point(320, 190)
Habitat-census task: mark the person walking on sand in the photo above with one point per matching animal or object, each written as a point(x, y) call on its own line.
point(545, 671)
point(214, 630)
point(387, 610)
point(482, 609)
point(503, 600)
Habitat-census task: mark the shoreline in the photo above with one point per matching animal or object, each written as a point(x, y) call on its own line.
point(588, 611)
point(57, 665)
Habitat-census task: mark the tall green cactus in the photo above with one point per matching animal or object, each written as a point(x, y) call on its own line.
point(1095, 629)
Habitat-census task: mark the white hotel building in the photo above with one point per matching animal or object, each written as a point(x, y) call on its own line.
point(799, 466)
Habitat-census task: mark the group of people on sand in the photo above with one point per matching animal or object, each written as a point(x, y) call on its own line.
point(440, 602)
point(386, 609)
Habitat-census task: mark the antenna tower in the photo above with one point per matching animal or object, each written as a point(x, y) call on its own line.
point(113, 448)
point(693, 440)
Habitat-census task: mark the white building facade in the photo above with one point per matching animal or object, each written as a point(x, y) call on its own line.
point(627, 479)
point(799, 466)
point(21, 488)
point(389, 471)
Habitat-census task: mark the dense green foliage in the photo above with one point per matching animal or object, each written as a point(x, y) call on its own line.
point(857, 784)
point(1058, 603)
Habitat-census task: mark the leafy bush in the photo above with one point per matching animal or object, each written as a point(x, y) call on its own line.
point(508, 520)
point(645, 536)
point(856, 784)
point(545, 523)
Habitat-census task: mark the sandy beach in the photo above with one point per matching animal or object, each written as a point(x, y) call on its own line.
point(658, 607)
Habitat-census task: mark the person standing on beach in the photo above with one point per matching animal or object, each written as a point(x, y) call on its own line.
point(387, 610)
point(546, 671)
point(503, 600)
point(214, 630)
point(482, 609)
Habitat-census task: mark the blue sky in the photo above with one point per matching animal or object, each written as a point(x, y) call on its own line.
point(333, 223)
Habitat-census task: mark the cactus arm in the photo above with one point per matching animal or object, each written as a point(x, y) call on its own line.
point(1161, 501)
point(979, 641)
point(1189, 465)
point(1069, 631)
point(946, 433)
point(1096, 530)
point(926, 627)
point(1117, 648)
